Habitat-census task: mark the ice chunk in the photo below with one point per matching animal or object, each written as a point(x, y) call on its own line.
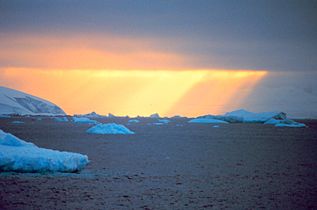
point(21, 156)
point(109, 128)
point(206, 120)
point(61, 119)
point(17, 122)
point(90, 115)
point(251, 117)
point(134, 121)
point(155, 115)
point(164, 121)
point(295, 125)
point(84, 120)
point(285, 123)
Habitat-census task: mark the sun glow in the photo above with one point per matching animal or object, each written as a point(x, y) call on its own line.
point(136, 92)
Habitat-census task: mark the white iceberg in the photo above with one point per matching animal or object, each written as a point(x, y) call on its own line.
point(60, 119)
point(21, 156)
point(133, 121)
point(90, 115)
point(17, 122)
point(109, 128)
point(285, 123)
point(207, 120)
point(278, 119)
point(164, 121)
point(294, 125)
point(84, 120)
point(155, 115)
point(157, 123)
point(251, 117)
point(17, 102)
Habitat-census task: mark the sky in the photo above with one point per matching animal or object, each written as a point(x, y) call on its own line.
point(137, 57)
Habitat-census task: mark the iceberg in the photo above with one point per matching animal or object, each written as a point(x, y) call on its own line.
point(84, 120)
point(17, 102)
point(133, 121)
point(295, 125)
point(155, 115)
point(60, 119)
point(285, 123)
point(17, 122)
point(164, 121)
point(90, 115)
point(251, 117)
point(278, 119)
point(206, 120)
point(109, 128)
point(21, 156)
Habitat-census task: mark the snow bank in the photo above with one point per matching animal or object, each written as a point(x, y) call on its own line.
point(84, 120)
point(206, 120)
point(109, 128)
point(21, 156)
point(61, 119)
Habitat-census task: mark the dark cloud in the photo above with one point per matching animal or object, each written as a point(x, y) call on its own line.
point(263, 34)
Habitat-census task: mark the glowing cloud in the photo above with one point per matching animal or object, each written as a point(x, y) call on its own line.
point(136, 92)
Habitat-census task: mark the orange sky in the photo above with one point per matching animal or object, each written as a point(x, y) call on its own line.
point(120, 75)
point(137, 92)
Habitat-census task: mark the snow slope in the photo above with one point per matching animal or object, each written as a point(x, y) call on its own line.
point(17, 102)
point(22, 156)
point(109, 128)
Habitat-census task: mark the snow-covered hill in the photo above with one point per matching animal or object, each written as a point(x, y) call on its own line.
point(17, 102)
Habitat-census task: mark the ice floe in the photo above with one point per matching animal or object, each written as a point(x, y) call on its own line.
point(60, 119)
point(21, 156)
point(133, 121)
point(17, 122)
point(279, 119)
point(155, 115)
point(84, 120)
point(109, 128)
point(251, 117)
point(206, 120)
point(164, 121)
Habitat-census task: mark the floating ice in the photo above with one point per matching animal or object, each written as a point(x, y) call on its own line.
point(21, 156)
point(133, 121)
point(109, 128)
point(17, 122)
point(164, 121)
point(251, 117)
point(206, 120)
point(285, 123)
point(90, 115)
point(155, 115)
point(278, 119)
point(61, 119)
point(84, 120)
